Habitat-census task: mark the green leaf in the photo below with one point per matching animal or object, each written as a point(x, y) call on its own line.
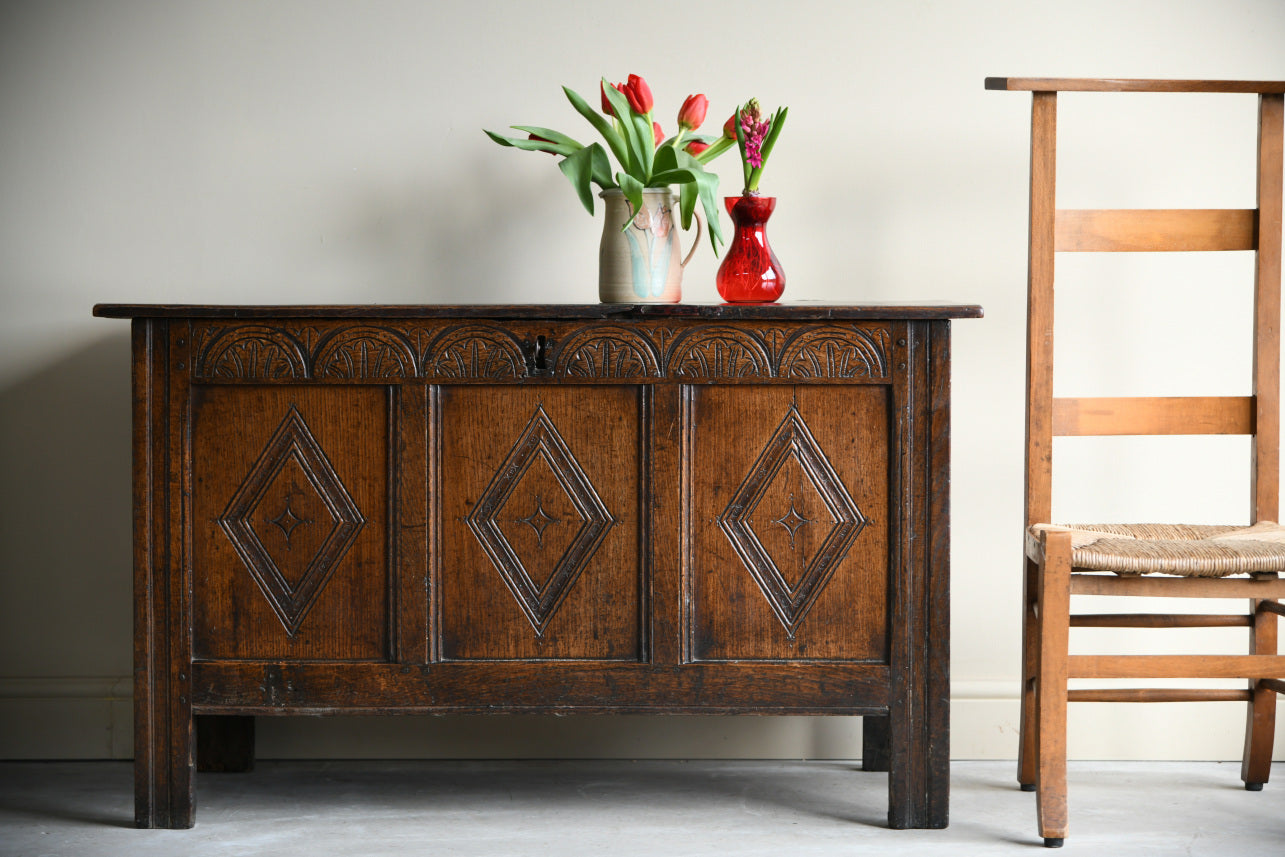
point(620, 104)
point(666, 159)
point(709, 201)
point(646, 144)
point(601, 123)
point(773, 132)
point(687, 161)
point(740, 144)
point(688, 193)
point(601, 167)
point(674, 166)
point(549, 134)
point(679, 167)
point(633, 190)
point(533, 145)
point(719, 147)
point(578, 169)
point(674, 176)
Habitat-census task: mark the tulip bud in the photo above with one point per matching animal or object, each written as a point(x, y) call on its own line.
point(536, 138)
point(657, 133)
point(606, 105)
point(692, 113)
point(695, 147)
point(639, 95)
point(729, 127)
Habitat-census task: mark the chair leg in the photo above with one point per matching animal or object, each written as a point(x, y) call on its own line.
point(1260, 715)
point(1050, 686)
point(1026, 737)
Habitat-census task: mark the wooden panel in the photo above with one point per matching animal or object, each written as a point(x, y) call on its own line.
point(1078, 417)
point(539, 522)
point(588, 687)
point(290, 522)
point(1095, 84)
point(1144, 230)
point(789, 518)
point(1176, 666)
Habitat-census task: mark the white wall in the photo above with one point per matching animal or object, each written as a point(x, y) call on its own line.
point(306, 151)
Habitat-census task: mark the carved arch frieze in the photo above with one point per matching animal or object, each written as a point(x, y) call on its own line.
point(719, 351)
point(835, 352)
point(365, 352)
point(252, 352)
point(607, 352)
point(490, 351)
point(481, 351)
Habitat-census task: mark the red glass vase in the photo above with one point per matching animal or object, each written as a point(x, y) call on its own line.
point(750, 272)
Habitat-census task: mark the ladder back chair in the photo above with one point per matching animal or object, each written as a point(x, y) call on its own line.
point(1147, 560)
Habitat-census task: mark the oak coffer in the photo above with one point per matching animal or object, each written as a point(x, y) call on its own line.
point(555, 508)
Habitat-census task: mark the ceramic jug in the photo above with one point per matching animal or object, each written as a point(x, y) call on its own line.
point(643, 263)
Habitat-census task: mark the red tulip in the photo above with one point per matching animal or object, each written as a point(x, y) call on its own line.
point(639, 95)
point(692, 113)
point(657, 133)
point(606, 105)
point(695, 147)
point(729, 127)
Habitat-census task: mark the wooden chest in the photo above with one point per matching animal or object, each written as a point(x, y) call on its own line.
point(657, 509)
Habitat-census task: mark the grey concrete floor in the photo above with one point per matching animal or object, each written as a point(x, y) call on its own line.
point(619, 808)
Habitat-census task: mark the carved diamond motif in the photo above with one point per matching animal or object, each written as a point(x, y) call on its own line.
point(539, 520)
point(291, 444)
point(791, 442)
point(288, 521)
point(791, 521)
point(539, 441)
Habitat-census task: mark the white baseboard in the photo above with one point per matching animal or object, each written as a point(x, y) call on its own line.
point(66, 718)
point(91, 718)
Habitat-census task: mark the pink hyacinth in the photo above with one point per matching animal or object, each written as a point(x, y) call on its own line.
point(755, 131)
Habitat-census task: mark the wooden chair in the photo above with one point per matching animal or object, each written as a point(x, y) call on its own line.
point(1147, 560)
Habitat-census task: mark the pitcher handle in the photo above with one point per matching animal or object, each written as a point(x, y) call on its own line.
point(700, 227)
